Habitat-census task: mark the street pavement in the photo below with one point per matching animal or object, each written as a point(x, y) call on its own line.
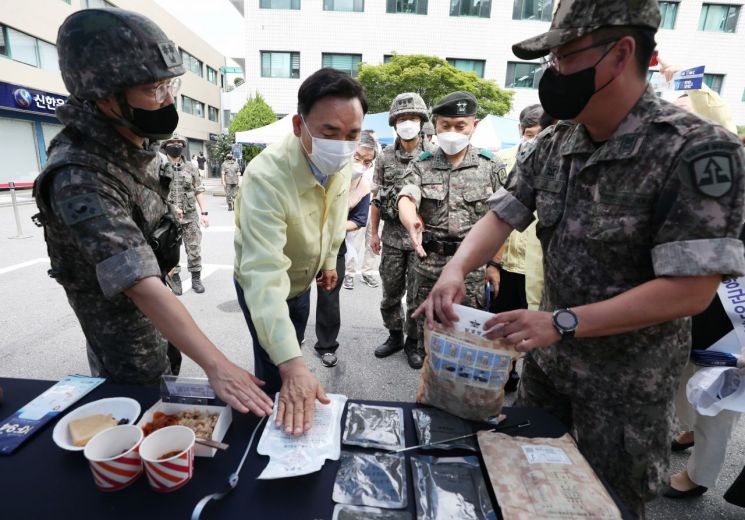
point(42, 340)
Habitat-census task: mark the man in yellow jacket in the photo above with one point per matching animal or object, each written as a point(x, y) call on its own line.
point(291, 216)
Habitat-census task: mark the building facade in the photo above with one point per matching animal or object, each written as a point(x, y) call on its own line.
point(287, 40)
point(31, 85)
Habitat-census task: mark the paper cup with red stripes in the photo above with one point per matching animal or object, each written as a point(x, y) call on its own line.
point(114, 457)
point(168, 456)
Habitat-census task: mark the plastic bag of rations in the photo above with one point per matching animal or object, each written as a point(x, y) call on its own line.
point(463, 373)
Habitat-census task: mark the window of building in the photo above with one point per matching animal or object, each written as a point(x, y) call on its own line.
point(669, 13)
point(211, 75)
point(476, 66)
point(387, 58)
point(406, 6)
point(533, 10)
point(192, 106)
point(480, 8)
point(714, 82)
point(22, 47)
point(280, 64)
point(718, 18)
point(523, 75)
point(91, 4)
point(357, 6)
point(18, 149)
point(344, 62)
point(279, 4)
point(213, 114)
point(48, 56)
point(191, 63)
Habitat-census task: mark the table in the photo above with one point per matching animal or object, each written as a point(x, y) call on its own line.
point(39, 480)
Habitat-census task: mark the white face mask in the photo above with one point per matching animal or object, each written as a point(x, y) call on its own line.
point(330, 155)
point(408, 130)
point(358, 170)
point(452, 142)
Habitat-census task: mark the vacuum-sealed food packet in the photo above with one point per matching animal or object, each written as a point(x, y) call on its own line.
point(371, 479)
point(375, 426)
point(347, 512)
point(435, 426)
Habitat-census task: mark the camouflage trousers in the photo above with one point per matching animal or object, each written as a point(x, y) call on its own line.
point(423, 284)
point(231, 190)
point(397, 276)
point(627, 442)
point(192, 238)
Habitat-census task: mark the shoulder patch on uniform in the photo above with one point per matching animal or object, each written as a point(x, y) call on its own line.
point(486, 153)
point(710, 167)
point(526, 151)
point(425, 155)
point(80, 208)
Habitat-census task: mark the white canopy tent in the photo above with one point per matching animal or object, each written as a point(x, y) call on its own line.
point(268, 134)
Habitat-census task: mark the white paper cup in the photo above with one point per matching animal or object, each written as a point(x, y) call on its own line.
point(174, 472)
point(114, 458)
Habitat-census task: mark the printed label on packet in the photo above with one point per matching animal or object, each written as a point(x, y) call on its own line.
point(541, 454)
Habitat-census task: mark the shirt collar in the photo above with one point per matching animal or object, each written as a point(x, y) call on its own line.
point(320, 177)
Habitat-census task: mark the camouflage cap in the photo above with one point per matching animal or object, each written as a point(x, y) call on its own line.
point(103, 51)
point(576, 18)
point(175, 138)
point(428, 128)
point(407, 103)
point(456, 104)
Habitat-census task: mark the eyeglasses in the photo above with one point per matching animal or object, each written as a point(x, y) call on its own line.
point(363, 162)
point(553, 61)
point(160, 93)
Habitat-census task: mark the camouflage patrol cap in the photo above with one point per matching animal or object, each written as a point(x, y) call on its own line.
point(104, 51)
point(175, 138)
point(428, 128)
point(576, 18)
point(407, 103)
point(456, 104)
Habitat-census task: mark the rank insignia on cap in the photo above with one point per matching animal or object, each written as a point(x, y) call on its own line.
point(170, 54)
point(710, 167)
point(462, 107)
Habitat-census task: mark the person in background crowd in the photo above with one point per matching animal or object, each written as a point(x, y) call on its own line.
point(201, 164)
point(359, 252)
point(328, 317)
point(231, 179)
point(640, 207)
point(444, 193)
point(712, 433)
point(290, 222)
point(507, 274)
point(407, 115)
point(194, 161)
point(186, 192)
point(101, 206)
point(428, 131)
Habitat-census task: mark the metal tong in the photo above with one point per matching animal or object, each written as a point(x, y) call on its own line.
point(468, 435)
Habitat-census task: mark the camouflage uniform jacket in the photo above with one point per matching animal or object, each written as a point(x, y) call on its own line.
point(95, 243)
point(662, 197)
point(389, 171)
point(232, 171)
point(450, 200)
point(185, 184)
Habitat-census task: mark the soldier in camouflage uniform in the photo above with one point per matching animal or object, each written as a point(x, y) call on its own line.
point(639, 205)
point(231, 176)
point(449, 189)
point(185, 193)
point(110, 233)
point(407, 115)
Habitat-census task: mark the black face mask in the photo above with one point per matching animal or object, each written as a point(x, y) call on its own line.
point(155, 124)
point(174, 150)
point(565, 96)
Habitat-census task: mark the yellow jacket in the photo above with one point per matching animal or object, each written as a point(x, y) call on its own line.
point(513, 256)
point(287, 228)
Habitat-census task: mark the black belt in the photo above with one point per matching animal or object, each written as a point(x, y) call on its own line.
point(441, 248)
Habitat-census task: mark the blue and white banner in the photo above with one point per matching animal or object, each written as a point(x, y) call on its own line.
point(24, 99)
point(689, 79)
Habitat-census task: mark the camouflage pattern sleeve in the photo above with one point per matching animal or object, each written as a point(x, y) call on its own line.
point(411, 183)
point(377, 178)
point(701, 209)
point(515, 202)
point(196, 178)
point(100, 224)
point(498, 174)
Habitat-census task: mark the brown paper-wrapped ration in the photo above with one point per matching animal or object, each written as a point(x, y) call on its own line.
point(544, 478)
point(464, 374)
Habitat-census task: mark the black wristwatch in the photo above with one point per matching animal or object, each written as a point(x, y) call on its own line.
point(565, 322)
point(205, 213)
point(492, 263)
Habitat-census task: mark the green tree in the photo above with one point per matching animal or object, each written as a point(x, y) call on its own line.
point(216, 150)
point(432, 78)
point(254, 114)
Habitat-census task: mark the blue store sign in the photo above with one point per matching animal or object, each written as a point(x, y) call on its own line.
point(23, 99)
